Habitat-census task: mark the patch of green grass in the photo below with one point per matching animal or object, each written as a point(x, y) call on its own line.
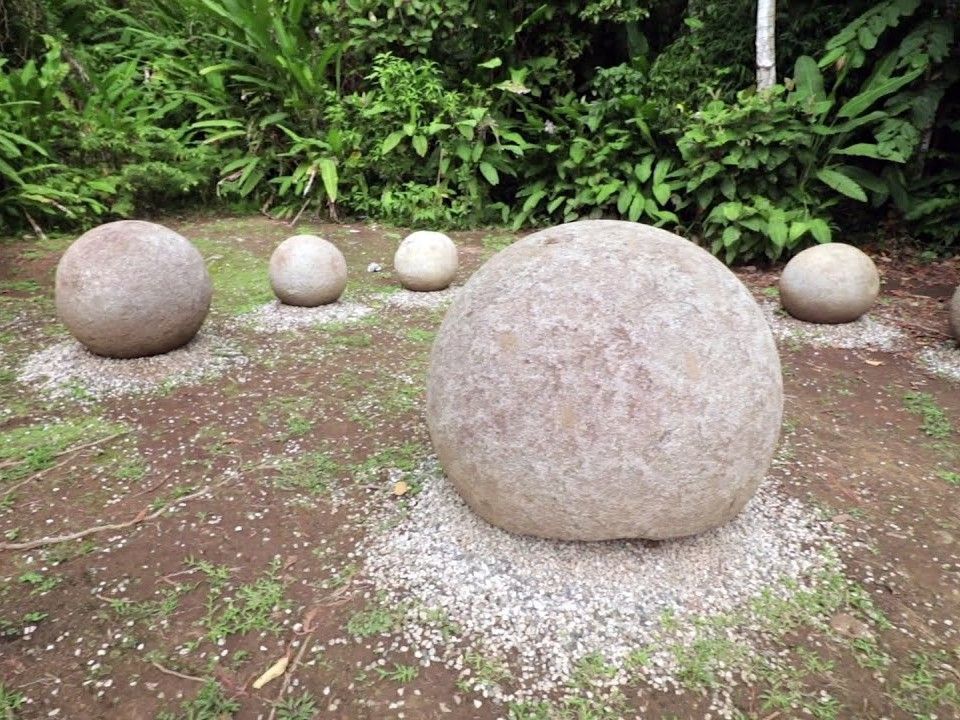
point(250, 607)
point(375, 619)
point(240, 280)
point(24, 286)
point(928, 690)
point(421, 335)
point(496, 243)
point(935, 422)
point(949, 477)
point(301, 707)
point(149, 610)
point(399, 673)
point(312, 472)
point(10, 702)
point(771, 292)
point(485, 672)
point(40, 583)
point(351, 339)
point(31, 448)
point(592, 668)
point(211, 703)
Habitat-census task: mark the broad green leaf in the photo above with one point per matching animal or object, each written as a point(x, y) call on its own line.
point(491, 64)
point(420, 145)
point(391, 141)
point(636, 208)
point(841, 183)
point(857, 105)
point(578, 151)
point(777, 229)
point(661, 193)
point(328, 173)
point(490, 173)
point(820, 230)
point(731, 234)
point(878, 152)
point(732, 210)
point(623, 202)
point(643, 169)
point(808, 79)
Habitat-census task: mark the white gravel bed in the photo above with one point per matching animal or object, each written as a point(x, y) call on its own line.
point(540, 605)
point(67, 369)
point(865, 333)
point(277, 317)
point(942, 360)
point(408, 299)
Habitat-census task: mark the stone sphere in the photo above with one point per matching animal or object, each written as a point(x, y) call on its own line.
point(132, 289)
point(832, 283)
point(602, 380)
point(307, 270)
point(955, 315)
point(426, 261)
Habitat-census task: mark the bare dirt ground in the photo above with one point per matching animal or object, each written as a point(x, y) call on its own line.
point(238, 507)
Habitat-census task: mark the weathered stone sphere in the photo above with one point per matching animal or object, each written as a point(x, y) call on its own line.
point(307, 270)
point(603, 380)
point(832, 283)
point(426, 261)
point(955, 315)
point(131, 289)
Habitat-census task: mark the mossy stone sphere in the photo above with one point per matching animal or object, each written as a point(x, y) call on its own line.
point(426, 261)
point(308, 271)
point(603, 380)
point(829, 284)
point(131, 289)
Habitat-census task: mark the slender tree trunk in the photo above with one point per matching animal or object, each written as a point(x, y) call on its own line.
point(766, 44)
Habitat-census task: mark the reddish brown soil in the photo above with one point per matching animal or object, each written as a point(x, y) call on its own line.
point(869, 466)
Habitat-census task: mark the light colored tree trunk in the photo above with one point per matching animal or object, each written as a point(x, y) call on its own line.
point(766, 44)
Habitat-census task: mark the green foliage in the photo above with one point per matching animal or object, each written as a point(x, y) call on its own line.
point(935, 422)
point(463, 114)
point(10, 702)
point(209, 704)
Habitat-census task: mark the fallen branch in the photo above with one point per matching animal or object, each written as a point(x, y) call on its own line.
point(141, 517)
point(182, 676)
point(36, 228)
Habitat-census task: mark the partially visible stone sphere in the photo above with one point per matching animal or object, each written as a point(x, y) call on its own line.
point(955, 315)
point(132, 289)
point(426, 261)
point(307, 270)
point(831, 283)
point(602, 380)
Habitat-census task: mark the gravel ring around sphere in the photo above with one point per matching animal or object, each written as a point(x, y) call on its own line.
point(413, 300)
point(62, 369)
point(276, 316)
point(864, 333)
point(942, 360)
point(538, 606)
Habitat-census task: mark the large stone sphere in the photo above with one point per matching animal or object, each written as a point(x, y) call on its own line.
point(131, 289)
point(426, 261)
point(955, 315)
point(832, 283)
point(603, 380)
point(307, 270)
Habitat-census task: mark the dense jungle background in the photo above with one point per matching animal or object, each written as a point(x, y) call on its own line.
point(462, 113)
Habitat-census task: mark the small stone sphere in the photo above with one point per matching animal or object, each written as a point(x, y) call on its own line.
point(829, 284)
point(131, 289)
point(603, 380)
point(955, 315)
point(308, 271)
point(426, 261)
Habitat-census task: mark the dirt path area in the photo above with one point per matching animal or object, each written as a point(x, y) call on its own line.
point(246, 482)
